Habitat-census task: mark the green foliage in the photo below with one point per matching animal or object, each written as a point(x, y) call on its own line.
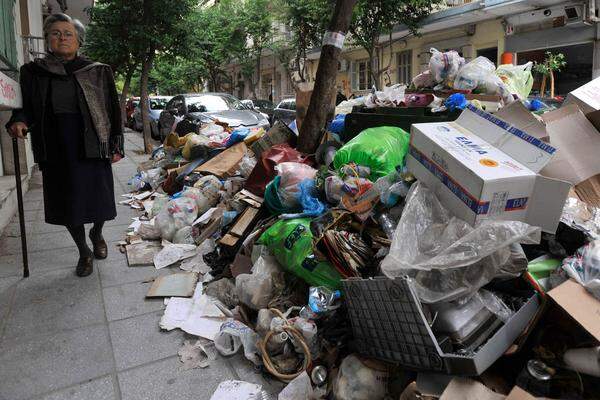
point(307, 21)
point(373, 18)
point(552, 63)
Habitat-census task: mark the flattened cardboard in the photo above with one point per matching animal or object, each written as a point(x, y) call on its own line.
point(587, 97)
point(225, 163)
point(468, 389)
point(180, 284)
point(579, 304)
point(578, 144)
point(140, 254)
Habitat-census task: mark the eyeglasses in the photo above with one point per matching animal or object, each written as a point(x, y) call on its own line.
point(65, 34)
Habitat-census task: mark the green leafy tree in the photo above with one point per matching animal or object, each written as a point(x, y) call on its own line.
point(373, 18)
point(107, 40)
point(552, 63)
point(256, 22)
point(161, 28)
point(307, 21)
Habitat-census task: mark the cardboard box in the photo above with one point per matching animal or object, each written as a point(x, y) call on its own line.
point(482, 167)
point(579, 304)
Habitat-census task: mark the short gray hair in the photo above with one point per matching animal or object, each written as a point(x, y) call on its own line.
point(79, 28)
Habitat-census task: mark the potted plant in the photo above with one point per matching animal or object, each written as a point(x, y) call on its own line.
point(552, 63)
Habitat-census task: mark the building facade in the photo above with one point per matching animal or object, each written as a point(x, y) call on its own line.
point(525, 28)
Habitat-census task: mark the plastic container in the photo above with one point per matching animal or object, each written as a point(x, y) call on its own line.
point(389, 323)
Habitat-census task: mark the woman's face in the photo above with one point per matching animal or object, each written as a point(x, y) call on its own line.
point(63, 39)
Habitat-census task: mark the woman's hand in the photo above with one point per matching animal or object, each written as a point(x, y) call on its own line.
point(116, 158)
point(18, 130)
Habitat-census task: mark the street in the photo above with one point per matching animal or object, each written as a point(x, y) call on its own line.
point(94, 338)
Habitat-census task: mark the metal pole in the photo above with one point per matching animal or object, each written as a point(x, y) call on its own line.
point(20, 203)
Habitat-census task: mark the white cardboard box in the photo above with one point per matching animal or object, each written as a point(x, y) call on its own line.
point(481, 167)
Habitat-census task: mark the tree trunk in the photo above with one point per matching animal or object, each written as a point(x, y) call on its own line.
point(543, 86)
point(258, 74)
point(146, 67)
point(551, 84)
point(323, 93)
point(125, 93)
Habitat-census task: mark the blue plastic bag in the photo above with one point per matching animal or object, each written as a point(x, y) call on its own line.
point(237, 136)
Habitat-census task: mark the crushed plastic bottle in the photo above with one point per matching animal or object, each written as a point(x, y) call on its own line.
point(387, 224)
point(320, 300)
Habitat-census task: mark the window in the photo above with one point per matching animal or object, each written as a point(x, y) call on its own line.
point(490, 53)
point(405, 67)
point(212, 103)
point(8, 44)
point(360, 75)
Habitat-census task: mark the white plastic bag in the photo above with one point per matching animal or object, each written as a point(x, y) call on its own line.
point(357, 381)
point(446, 257)
point(177, 214)
point(444, 66)
point(257, 289)
point(584, 267)
point(233, 336)
point(481, 74)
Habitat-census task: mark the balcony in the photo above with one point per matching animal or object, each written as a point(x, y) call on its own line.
point(33, 47)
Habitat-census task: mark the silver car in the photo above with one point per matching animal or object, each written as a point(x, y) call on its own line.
point(200, 108)
point(157, 105)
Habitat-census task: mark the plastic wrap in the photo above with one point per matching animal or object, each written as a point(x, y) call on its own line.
point(479, 73)
point(494, 304)
point(446, 257)
point(390, 96)
point(445, 66)
point(581, 216)
point(257, 289)
point(584, 267)
point(382, 149)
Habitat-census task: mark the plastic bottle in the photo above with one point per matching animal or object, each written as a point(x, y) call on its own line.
point(320, 301)
point(387, 224)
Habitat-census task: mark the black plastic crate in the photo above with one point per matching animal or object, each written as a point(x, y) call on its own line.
point(388, 323)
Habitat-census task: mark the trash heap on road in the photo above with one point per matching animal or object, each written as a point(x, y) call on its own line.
point(459, 257)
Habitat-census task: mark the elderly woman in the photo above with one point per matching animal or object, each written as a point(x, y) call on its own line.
point(71, 109)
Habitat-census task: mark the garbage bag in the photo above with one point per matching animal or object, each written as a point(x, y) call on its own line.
point(382, 149)
point(264, 171)
point(517, 78)
point(177, 214)
point(256, 290)
point(291, 241)
point(446, 257)
point(358, 380)
point(292, 173)
point(184, 236)
point(233, 336)
point(190, 149)
point(444, 66)
point(584, 267)
point(480, 74)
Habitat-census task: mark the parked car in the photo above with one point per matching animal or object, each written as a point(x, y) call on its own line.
point(263, 106)
point(199, 108)
point(285, 111)
point(157, 104)
point(130, 106)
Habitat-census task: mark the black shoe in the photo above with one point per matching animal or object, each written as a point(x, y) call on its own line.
point(100, 247)
point(85, 266)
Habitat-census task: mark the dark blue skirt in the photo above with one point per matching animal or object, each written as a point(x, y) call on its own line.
point(76, 190)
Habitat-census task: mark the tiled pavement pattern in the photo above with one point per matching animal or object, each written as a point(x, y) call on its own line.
point(94, 338)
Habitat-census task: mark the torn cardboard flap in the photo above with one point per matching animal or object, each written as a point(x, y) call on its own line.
point(520, 117)
point(578, 144)
point(579, 304)
point(225, 163)
point(482, 167)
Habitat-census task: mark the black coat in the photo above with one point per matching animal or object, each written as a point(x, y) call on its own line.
point(37, 112)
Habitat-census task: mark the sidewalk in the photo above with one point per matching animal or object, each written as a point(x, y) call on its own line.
point(93, 338)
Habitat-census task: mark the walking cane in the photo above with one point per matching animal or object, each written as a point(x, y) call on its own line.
point(21, 212)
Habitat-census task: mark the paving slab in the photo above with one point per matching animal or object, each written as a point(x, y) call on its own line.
point(165, 380)
point(7, 291)
point(129, 300)
point(52, 302)
point(139, 340)
point(96, 389)
point(63, 359)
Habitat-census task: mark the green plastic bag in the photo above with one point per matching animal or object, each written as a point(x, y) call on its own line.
point(382, 149)
point(518, 78)
point(291, 242)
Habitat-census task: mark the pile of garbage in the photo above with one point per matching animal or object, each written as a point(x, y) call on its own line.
point(391, 265)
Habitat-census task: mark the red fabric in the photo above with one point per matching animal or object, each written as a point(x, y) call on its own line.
point(264, 171)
